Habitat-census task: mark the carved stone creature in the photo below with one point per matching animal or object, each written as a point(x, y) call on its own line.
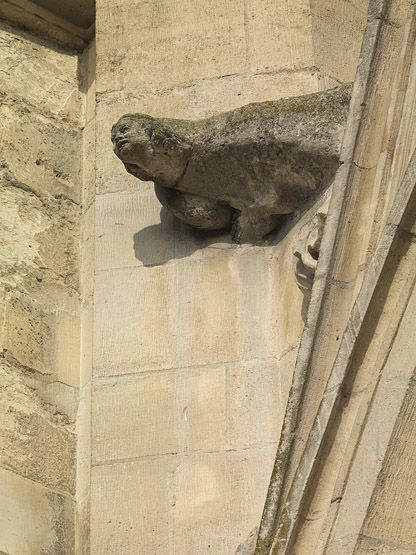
point(307, 252)
point(307, 249)
point(242, 169)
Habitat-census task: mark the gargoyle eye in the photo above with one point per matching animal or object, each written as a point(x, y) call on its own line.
point(123, 128)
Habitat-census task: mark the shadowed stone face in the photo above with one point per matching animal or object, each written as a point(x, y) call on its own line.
point(244, 168)
point(156, 153)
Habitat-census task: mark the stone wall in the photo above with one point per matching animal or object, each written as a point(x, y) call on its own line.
point(345, 487)
point(41, 291)
point(194, 338)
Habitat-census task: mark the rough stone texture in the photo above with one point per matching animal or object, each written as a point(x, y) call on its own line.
point(34, 519)
point(244, 168)
point(337, 30)
point(42, 198)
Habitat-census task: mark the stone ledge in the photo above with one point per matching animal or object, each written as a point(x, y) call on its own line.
point(34, 18)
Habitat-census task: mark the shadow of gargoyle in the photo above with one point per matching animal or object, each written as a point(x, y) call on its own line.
point(172, 239)
point(245, 169)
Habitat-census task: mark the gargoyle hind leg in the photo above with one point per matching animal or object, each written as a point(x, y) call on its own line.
point(252, 224)
point(194, 210)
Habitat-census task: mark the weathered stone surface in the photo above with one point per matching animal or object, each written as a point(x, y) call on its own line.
point(36, 440)
point(246, 167)
point(247, 547)
point(40, 76)
point(127, 501)
point(41, 339)
point(244, 317)
point(209, 42)
point(350, 448)
point(277, 23)
point(34, 519)
point(128, 344)
point(307, 251)
point(183, 410)
point(40, 153)
point(256, 399)
point(213, 492)
point(337, 29)
point(39, 242)
point(41, 173)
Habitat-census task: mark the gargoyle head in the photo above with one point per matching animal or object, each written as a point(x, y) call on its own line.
point(150, 148)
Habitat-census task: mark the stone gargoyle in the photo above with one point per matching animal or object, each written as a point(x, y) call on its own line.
point(243, 169)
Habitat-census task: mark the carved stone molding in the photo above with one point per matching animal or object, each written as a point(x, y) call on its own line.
point(322, 483)
point(306, 251)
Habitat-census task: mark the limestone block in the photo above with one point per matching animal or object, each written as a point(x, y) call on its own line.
point(279, 35)
point(27, 333)
point(41, 340)
point(201, 409)
point(59, 252)
point(337, 27)
point(177, 411)
point(269, 302)
point(219, 498)
point(89, 68)
point(67, 348)
point(39, 153)
point(130, 504)
point(234, 307)
point(21, 220)
point(40, 76)
point(212, 96)
point(34, 519)
point(146, 305)
point(133, 230)
point(392, 510)
point(36, 440)
point(171, 43)
point(138, 335)
point(39, 242)
point(256, 401)
point(62, 397)
point(129, 231)
point(375, 546)
point(142, 424)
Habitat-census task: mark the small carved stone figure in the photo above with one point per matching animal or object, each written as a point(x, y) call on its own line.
point(307, 252)
point(243, 169)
